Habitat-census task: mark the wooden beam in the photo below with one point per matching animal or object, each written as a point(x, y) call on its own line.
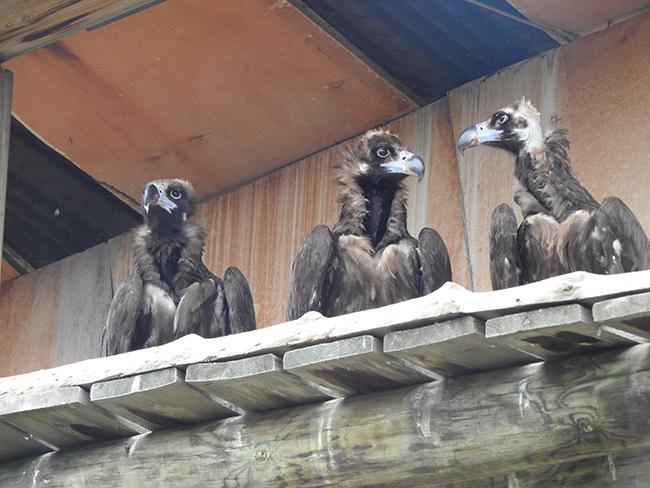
point(62, 418)
point(6, 88)
point(16, 444)
point(555, 331)
point(450, 301)
point(630, 313)
point(454, 348)
point(253, 384)
point(30, 24)
point(460, 430)
point(353, 366)
point(158, 400)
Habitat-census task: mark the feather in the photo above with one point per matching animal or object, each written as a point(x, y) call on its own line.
point(564, 228)
point(368, 259)
point(169, 292)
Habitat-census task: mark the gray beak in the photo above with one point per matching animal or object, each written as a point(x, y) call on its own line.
point(478, 134)
point(155, 194)
point(406, 163)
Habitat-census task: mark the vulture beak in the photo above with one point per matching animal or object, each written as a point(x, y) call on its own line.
point(478, 134)
point(154, 194)
point(406, 163)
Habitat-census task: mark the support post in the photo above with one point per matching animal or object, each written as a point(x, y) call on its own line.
point(6, 87)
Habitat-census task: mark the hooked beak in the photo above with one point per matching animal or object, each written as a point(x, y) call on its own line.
point(478, 134)
point(155, 195)
point(406, 163)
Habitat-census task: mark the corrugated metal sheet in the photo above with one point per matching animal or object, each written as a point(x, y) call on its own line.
point(53, 208)
point(432, 46)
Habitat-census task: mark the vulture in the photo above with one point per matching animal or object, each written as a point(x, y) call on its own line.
point(368, 259)
point(564, 227)
point(169, 292)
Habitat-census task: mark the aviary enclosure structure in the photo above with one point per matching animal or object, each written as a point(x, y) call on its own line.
point(254, 100)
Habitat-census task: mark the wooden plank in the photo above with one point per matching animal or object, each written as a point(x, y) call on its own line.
point(16, 444)
point(449, 301)
point(352, 366)
point(30, 24)
point(80, 310)
point(6, 89)
point(435, 434)
point(454, 348)
point(630, 313)
point(254, 384)
point(158, 400)
point(555, 331)
point(63, 417)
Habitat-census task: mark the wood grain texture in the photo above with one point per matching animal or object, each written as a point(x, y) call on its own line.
point(554, 331)
point(157, 400)
point(454, 348)
point(352, 366)
point(215, 92)
point(257, 383)
point(62, 417)
point(16, 444)
point(538, 415)
point(30, 24)
point(630, 313)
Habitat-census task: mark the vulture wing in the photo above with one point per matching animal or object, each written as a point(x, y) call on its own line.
point(201, 310)
point(239, 300)
point(434, 261)
point(619, 238)
point(309, 273)
point(504, 261)
point(121, 331)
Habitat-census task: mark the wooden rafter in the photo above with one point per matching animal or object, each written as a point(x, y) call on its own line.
point(30, 24)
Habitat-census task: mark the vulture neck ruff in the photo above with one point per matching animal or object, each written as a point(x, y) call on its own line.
point(545, 181)
point(374, 208)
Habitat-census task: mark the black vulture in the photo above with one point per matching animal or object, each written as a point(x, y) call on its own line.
point(169, 292)
point(564, 227)
point(368, 259)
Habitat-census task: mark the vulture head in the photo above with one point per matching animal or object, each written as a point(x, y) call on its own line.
point(167, 204)
point(514, 128)
point(382, 158)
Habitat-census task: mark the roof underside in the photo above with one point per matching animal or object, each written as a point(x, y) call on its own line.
point(226, 92)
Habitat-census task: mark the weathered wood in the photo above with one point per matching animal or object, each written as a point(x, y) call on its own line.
point(352, 366)
point(15, 444)
point(81, 316)
point(555, 331)
point(630, 313)
point(254, 384)
point(453, 348)
point(62, 417)
point(30, 24)
point(500, 422)
point(448, 302)
point(158, 400)
point(629, 468)
point(6, 89)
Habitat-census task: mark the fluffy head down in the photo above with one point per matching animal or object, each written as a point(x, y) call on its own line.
point(167, 203)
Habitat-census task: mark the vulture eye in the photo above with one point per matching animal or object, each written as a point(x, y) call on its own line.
point(503, 118)
point(383, 152)
point(175, 194)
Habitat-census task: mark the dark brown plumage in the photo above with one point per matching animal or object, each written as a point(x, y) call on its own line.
point(564, 228)
point(368, 259)
point(169, 292)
